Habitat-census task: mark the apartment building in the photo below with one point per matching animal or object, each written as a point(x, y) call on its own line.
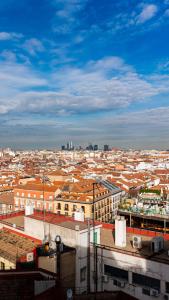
point(6, 202)
point(139, 266)
point(127, 259)
point(67, 198)
point(75, 234)
point(38, 195)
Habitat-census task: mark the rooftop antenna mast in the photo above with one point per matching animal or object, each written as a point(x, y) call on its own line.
point(44, 208)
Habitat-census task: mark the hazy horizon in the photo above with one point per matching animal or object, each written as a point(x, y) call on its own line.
point(84, 70)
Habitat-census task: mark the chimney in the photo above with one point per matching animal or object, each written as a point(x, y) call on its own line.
point(120, 232)
point(79, 215)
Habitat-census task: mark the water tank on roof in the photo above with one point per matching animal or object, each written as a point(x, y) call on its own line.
point(157, 244)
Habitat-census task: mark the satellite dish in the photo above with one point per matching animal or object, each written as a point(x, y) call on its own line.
point(69, 294)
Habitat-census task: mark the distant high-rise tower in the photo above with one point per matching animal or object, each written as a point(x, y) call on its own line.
point(106, 148)
point(90, 147)
point(70, 145)
point(95, 148)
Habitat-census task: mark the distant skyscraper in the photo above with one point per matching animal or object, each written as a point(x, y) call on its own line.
point(95, 148)
point(90, 147)
point(70, 145)
point(63, 147)
point(106, 148)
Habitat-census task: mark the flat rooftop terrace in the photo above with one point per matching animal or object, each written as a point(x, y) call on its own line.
point(158, 217)
point(60, 220)
point(108, 241)
point(18, 221)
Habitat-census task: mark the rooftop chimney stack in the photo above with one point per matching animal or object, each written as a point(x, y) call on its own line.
point(120, 232)
point(79, 215)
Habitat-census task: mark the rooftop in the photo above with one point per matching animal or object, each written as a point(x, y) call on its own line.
point(15, 245)
point(17, 220)
point(7, 198)
point(60, 220)
point(108, 241)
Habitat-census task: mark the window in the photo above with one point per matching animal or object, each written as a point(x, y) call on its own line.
point(74, 207)
point(29, 195)
point(22, 194)
point(83, 208)
point(50, 197)
point(95, 237)
point(17, 193)
point(115, 272)
point(34, 195)
point(167, 287)
point(66, 213)
point(2, 266)
point(66, 207)
point(41, 196)
point(146, 291)
point(59, 206)
point(83, 274)
point(146, 281)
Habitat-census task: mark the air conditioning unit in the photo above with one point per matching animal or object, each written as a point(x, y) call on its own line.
point(137, 242)
point(119, 283)
point(154, 293)
point(105, 278)
point(29, 257)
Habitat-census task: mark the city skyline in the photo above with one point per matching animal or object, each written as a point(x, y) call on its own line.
point(84, 71)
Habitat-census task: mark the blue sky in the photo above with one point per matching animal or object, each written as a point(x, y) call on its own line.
point(86, 71)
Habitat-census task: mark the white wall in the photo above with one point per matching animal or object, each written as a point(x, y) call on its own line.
point(132, 264)
point(72, 238)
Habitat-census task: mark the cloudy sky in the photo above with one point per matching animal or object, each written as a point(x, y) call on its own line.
point(84, 70)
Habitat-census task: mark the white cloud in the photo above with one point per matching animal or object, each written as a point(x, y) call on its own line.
point(66, 15)
point(33, 46)
point(68, 8)
point(9, 36)
point(147, 13)
point(166, 13)
point(107, 84)
point(8, 55)
point(164, 65)
point(109, 63)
